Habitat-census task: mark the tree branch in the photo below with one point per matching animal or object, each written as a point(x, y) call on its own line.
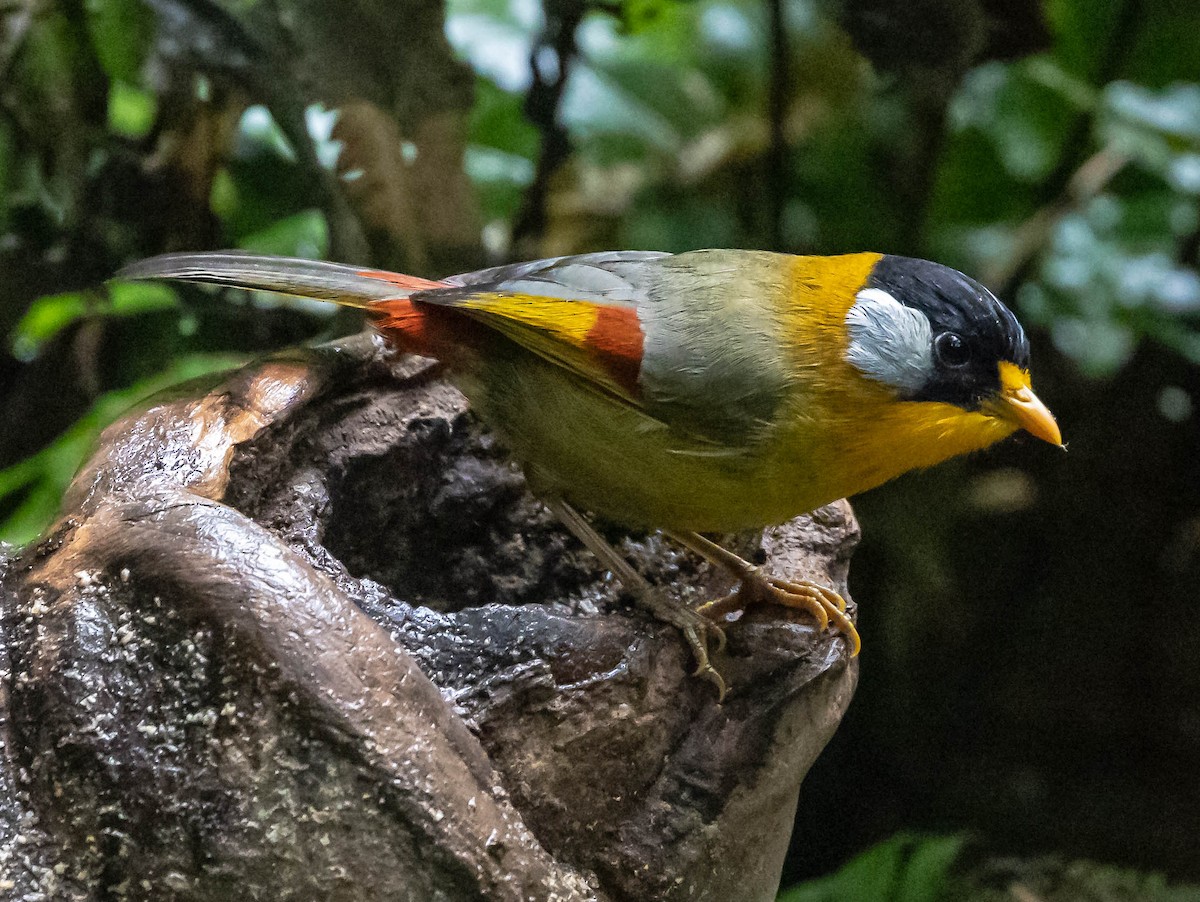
point(550, 62)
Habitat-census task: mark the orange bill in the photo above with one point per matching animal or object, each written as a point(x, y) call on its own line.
point(1019, 405)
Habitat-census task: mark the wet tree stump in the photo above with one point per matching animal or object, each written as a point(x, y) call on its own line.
point(303, 634)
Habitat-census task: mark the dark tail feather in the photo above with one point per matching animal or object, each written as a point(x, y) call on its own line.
point(337, 283)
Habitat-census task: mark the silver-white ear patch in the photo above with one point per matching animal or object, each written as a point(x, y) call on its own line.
point(889, 342)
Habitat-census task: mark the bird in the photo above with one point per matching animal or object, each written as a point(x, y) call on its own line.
point(708, 391)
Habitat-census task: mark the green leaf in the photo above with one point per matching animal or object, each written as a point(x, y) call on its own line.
point(47, 316)
point(927, 873)
point(39, 481)
point(255, 193)
point(1174, 111)
point(120, 32)
point(1025, 119)
point(223, 197)
point(905, 868)
point(1159, 129)
point(131, 110)
point(638, 15)
point(260, 133)
point(306, 234)
point(133, 298)
point(498, 122)
point(49, 58)
point(665, 105)
point(500, 180)
point(34, 512)
point(1081, 32)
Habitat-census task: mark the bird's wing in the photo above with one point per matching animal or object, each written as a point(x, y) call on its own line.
point(693, 341)
point(579, 312)
point(687, 339)
point(586, 272)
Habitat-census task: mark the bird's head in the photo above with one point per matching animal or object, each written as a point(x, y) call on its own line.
point(930, 333)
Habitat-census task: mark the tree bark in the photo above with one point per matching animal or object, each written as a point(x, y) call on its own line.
point(304, 634)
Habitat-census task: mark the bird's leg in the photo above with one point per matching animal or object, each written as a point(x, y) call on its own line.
point(758, 587)
point(697, 628)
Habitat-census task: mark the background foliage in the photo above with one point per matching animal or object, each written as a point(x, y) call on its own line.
point(1028, 617)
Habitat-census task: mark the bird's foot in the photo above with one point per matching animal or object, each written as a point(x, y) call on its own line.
point(826, 605)
point(697, 629)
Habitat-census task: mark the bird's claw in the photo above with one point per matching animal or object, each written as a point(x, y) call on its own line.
point(698, 640)
point(822, 602)
point(826, 605)
point(708, 672)
point(700, 626)
point(805, 588)
point(698, 630)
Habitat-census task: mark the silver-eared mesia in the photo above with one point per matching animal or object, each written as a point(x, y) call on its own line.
point(708, 391)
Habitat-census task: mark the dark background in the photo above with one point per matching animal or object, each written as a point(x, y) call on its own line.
point(1031, 634)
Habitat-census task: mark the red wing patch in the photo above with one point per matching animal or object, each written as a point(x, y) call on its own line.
point(430, 330)
point(615, 341)
point(600, 342)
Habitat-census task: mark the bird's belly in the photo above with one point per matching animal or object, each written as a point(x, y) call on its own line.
point(604, 456)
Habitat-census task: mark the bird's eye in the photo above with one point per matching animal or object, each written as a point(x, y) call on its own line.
point(951, 350)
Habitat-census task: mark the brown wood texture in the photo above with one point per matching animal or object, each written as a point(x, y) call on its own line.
point(302, 633)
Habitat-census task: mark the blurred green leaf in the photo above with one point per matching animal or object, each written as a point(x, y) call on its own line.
point(640, 14)
point(500, 180)
point(674, 221)
point(133, 298)
point(1024, 118)
point(498, 122)
point(131, 110)
point(663, 105)
point(305, 234)
point(1159, 129)
point(120, 31)
point(47, 316)
point(1164, 46)
point(1174, 111)
point(37, 482)
point(503, 147)
point(259, 133)
point(48, 60)
point(35, 511)
point(223, 195)
point(905, 868)
point(1081, 32)
point(496, 37)
point(1110, 277)
point(264, 184)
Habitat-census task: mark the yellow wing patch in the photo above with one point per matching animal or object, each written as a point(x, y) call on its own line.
point(600, 342)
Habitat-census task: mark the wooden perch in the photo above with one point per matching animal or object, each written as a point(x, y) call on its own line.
point(303, 634)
